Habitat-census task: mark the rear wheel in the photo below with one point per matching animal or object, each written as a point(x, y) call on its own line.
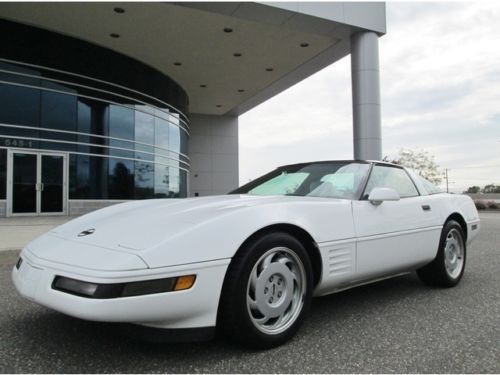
point(267, 291)
point(447, 268)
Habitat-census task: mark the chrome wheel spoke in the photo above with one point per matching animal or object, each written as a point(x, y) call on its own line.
point(253, 279)
point(252, 304)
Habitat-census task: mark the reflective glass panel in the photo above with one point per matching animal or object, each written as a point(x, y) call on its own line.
point(174, 139)
point(162, 182)
point(121, 179)
point(58, 112)
point(121, 125)
point(84, 125)
point(144, 180)
point(144, 133)
point(19, 105)
point(161, 135)
point(79, 169)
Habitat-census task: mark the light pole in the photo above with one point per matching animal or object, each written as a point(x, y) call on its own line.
point(446, 176)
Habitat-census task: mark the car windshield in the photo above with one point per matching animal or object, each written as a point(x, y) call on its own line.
point(325, 179)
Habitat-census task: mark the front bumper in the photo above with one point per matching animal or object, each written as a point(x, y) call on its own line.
point(192, 308)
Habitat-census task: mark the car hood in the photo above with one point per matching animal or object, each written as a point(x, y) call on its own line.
point(138, 226)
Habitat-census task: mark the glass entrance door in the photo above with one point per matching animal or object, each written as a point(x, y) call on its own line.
point(36, 183)
point(52, 184)
point(24, 183)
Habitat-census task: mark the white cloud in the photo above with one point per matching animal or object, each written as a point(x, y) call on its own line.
point(440, 79)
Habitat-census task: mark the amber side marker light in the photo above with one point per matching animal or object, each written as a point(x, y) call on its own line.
point(184, 282)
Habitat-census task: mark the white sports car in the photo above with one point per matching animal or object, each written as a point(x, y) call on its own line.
point(249, 262)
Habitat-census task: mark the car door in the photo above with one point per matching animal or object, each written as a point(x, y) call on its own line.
point(393, 236)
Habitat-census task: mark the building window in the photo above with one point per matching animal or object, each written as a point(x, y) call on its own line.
point(116, 151)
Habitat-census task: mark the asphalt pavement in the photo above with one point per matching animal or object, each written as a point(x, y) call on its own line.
point(398, 325)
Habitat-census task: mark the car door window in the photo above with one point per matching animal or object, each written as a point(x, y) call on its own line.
point(391, 177)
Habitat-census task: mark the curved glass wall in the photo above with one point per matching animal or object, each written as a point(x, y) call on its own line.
point(122, 143)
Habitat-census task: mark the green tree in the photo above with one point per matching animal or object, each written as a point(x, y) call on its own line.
point(491, 188)
point(422, 162)
point(473, 190)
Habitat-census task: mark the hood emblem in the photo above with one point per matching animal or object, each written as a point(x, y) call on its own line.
point(86, 232)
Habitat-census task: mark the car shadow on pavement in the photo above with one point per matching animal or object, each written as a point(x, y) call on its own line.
point(81, 346)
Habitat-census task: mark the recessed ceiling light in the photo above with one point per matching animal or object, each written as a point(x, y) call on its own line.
point(114, 35)
point(269, 69)
point(119, 10)
point(228, 30)
point(219, 105)
point(203, 86)
point(241, 90)
point(237, 54)
point(304, 44)
point(177, 63)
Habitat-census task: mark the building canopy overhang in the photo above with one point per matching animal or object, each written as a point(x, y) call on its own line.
point(228, 56)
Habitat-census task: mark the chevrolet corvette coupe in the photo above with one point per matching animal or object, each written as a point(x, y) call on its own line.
point(249, 262)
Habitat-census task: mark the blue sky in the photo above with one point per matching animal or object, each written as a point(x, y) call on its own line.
point(440, 88)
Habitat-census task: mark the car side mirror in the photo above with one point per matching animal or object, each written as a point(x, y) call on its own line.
point(381, 194)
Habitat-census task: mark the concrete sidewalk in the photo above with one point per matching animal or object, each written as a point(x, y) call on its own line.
point(16, 232)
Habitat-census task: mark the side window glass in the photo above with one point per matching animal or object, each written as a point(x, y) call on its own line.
point(390, 177)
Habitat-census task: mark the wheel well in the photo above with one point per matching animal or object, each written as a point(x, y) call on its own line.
point(303, 237)
point(459, 219)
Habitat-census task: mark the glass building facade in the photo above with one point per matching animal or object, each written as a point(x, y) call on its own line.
point(119, 124)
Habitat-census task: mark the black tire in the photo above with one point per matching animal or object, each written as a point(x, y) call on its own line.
point(436, 273)
point(236, 320)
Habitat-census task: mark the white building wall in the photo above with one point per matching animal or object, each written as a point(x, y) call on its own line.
point(213, 153)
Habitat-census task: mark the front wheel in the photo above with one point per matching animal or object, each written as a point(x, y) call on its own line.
point(447, 268)
point(267, 291)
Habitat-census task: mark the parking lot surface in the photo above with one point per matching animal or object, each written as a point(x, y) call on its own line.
point(398, 325)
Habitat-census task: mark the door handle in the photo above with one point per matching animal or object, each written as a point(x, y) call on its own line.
point(426, 207)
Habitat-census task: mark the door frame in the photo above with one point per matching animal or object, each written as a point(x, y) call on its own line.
point(10, 172)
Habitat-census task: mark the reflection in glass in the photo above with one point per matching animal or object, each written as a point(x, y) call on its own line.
point(174, 139)
point(84, 125)
point(20, 105)
point(161, 134)
point(144, 180)
point(121, 179)
point(58, 111)
point(144, 133)
point(173, 183)
point(121, 125)
point(24, 183)
point(79, 172)
point(161, 179)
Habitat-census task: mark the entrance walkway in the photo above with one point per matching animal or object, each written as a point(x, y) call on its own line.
point(16, 232)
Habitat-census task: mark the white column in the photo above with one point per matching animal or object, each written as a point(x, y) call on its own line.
point(213, 153)
point(365, 74)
